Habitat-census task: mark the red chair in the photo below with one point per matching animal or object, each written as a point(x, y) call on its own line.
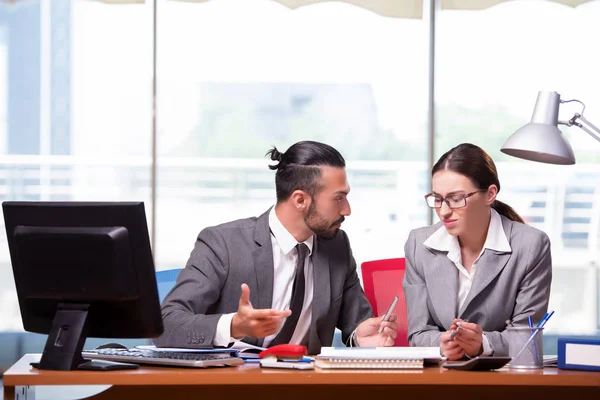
point(382, 280)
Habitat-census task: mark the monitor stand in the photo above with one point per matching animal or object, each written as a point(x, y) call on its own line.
point(65, 342)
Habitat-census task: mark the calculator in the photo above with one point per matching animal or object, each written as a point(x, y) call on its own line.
point(478, 363)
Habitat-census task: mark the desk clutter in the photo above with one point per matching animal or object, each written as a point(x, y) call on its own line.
point(573, 354)
point(280, 356)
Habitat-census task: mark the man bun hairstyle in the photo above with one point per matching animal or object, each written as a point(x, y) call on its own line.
point(299, 168)
point(274, 155)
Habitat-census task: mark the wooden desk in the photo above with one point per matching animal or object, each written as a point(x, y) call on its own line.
point(250, 381)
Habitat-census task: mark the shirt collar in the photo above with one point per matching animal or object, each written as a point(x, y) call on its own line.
point(284, 239)
point(496, 239)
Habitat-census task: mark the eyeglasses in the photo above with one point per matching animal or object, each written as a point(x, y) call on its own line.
point(453, 201)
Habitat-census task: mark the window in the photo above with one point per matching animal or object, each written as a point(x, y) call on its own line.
point(75, 111)
point(490, 66)
point(232, 84)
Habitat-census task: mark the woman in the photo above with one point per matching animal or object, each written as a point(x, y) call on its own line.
point(478, 268)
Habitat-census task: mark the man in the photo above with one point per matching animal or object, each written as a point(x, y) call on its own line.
point(293, 266)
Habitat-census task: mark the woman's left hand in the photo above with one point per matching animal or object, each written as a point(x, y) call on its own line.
point(469, 337)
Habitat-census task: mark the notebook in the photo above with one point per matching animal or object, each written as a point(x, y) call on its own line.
point(378, 357)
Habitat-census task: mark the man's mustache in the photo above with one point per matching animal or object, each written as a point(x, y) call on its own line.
point(339, 221)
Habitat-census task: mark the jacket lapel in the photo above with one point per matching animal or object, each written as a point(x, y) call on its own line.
point(489, 266)
point(321, 289)
point(442, 285)
point(262, 297)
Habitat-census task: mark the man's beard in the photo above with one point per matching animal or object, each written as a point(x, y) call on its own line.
point(319, 225)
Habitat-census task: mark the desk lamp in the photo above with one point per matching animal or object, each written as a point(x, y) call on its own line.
point(541, 140)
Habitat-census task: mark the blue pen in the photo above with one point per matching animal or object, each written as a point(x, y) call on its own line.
point(541, 320)
point(544, 319)
point(301, 360)
point(530, 323)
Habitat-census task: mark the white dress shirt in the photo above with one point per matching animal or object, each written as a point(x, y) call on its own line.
point(496, 240)
point(285, 257)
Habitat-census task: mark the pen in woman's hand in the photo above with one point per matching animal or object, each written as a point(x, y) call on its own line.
point(455, 331)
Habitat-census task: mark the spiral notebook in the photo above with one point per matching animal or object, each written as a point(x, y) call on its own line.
point(378, 357)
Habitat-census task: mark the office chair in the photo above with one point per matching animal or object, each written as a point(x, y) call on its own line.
point(382, 280)
point(165, 280)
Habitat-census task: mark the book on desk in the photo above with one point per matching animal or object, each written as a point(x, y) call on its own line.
point(378, 357)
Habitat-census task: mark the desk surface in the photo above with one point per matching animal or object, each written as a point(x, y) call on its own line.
point(22, 374)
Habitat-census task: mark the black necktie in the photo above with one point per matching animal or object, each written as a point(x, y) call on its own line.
point(286, 332)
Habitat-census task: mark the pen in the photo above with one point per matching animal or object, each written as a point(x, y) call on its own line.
point(455, 332)
point(544, 319)
point(388, 314)
point(530, 323)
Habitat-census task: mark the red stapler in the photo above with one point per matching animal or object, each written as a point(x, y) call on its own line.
point(284, 352)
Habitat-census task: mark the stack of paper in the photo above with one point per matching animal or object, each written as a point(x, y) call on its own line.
point(550, 361)
point(377, 357)
point(246, 350)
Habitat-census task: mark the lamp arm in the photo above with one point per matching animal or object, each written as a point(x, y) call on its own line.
point(593, 132)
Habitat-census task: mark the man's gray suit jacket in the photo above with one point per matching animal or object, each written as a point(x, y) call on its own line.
point(237, 252)
point(506, 286)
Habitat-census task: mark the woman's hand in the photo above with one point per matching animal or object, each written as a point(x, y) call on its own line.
point(448, 347)
point(469, 337)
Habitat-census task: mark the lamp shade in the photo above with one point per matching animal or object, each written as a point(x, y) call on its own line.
point(541, 140)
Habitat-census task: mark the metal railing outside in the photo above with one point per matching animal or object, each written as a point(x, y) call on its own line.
point(386, 198)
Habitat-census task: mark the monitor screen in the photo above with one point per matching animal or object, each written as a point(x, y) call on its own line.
point(82, 269)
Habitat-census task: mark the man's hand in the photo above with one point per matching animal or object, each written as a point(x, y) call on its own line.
point(469, 337)
point(255, 323)
point(367, 333)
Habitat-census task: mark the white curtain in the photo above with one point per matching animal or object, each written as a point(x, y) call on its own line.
point(481, 4)
point(388, 8)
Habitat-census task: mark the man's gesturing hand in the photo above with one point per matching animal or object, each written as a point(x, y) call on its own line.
point(255, 323)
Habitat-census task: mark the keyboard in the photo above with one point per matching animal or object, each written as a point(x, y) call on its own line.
point(176, 359)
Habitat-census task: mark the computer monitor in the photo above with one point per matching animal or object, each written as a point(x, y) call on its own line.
point(82, 269)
